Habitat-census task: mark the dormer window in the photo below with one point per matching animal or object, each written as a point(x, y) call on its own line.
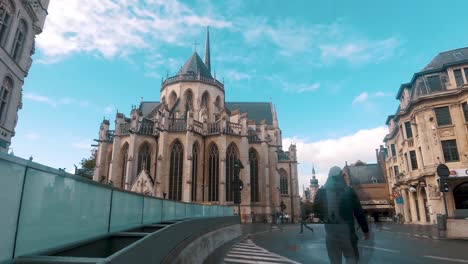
point(458, 77)
point(434, 83)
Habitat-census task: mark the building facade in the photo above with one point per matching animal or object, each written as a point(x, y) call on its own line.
point(370, 183)
point(20, 22)
point(184, 147)
point(430, 128)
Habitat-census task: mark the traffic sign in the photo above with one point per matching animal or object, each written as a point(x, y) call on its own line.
point(443, 171)
point(399, 200)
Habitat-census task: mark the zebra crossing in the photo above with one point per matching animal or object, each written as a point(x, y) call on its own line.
point(248, 252)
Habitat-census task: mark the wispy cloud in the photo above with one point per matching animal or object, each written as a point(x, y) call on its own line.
point(109, 109)
point(360, 51)
point(293, 86)
point(32, 136)
point(361, 98)
point(382, 94)
point(116, 28)
point(236, 75)
point(55, 102)
point(82, 144)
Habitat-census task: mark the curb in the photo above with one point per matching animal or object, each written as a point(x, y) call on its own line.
point(411, 234)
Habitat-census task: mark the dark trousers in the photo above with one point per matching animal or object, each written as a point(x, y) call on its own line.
point(339, 245)
point(304, 224)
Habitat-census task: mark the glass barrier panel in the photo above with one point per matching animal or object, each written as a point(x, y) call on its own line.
point(127, 211)
point(57, 210)
point(12, 176)
point(168, 210)
point(152, 210)
point(180, 210)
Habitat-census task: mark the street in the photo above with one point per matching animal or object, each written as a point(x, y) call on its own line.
point(382, 247)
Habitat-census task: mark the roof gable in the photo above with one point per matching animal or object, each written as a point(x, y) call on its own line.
point(256, 111)
point(195, 65)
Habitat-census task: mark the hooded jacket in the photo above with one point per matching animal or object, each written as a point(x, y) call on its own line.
point(336, 203)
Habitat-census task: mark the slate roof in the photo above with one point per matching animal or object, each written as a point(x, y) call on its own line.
point(195, 65)
point(255, 110)
point(364, 174)
point(148, 107)
point(447, 57)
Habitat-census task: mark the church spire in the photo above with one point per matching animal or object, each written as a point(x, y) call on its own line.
point(207, 49)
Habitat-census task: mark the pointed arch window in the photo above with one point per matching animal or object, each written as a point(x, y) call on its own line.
point(231, 158)
point(213, 173)
point(283, 183)
point(195, 151)
point(20, 38)
point(205, 101)
point(144, 158)
point(188, 101)
point(6, 10)
point(175, 171)
point(124, 155)
point(5, 92)
point(254, 189)
point(172, 99)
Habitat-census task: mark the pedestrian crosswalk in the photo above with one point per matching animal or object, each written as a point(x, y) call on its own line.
point(247, 252)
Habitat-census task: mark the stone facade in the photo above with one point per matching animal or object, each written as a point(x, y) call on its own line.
point(20, 22)
point(429, 128)
point(187, 143)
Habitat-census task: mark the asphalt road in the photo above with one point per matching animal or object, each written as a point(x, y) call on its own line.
point(382, 247)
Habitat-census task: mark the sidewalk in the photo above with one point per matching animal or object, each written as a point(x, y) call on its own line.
point(218, 255)
point(424, 231)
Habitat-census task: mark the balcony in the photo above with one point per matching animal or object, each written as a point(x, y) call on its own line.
point(177, 125)
point(191, 78)
point(147, 128)
point(214, 128)
point(233, 128)
point(124, 129)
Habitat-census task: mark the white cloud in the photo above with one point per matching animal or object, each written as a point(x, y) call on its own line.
point(307, 88)
point(360, 51)
point(109, 109)
point(116, 28)
point(335, 152)
point(82, 144)
point(32, 136)
point(381, 94)
point(40, 99)
point(360, 98)
point(234, 75)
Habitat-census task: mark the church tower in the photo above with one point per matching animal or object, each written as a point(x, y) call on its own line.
point(314, 186)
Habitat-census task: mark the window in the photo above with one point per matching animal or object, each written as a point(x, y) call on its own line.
point(392, 148)
point(254, 189)
point(231, 158)
point(409, 132)
point(213, 173)
point(4, 96)
point(443, 116)
point(458, 77)
point(465, 111)
point(175, 171)
point(205, 101)
point(144, 158)
point(18, 43)
point(449, 147)
point(414, 160)
point(6, 9)
point(194, 171)
point(188, 101)
point(172, 99)
point(466, 73)
point(283, 182)
point(124, 155)
point(434, 83)
point(396, 171)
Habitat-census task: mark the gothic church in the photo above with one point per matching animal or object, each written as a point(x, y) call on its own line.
point(184, 147)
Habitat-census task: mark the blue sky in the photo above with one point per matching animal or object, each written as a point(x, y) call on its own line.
point(332, 68)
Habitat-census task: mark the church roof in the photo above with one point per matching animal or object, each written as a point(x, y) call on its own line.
point(255, 110)
point(446, 58)
point(195, 65)
point(148, 107)
point(365, 174)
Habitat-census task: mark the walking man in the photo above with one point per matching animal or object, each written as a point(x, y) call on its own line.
point(337, 205)
point(304, 217)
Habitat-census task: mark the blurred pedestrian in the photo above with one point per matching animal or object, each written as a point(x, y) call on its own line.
point(304, 217)
point(337, 205)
